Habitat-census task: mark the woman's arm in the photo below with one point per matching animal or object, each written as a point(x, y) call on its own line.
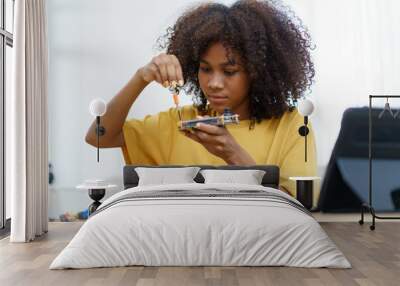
point(117, 111)
point(163, 69)
point(219, 142)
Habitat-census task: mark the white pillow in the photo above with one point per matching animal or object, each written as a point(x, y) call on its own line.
point(248, 177)
point(162, 176)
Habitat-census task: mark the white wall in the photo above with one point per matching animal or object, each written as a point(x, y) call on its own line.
point(356, 55)
point(96, 46)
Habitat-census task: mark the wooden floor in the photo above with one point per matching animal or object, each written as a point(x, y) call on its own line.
point(374, 255)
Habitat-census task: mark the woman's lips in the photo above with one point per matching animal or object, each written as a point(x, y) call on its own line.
point(217, 99)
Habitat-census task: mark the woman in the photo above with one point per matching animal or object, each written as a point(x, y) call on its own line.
point(252, 57)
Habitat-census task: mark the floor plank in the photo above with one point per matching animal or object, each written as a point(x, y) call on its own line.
point(375, 257)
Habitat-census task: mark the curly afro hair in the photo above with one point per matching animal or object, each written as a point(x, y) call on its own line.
point(269, 38)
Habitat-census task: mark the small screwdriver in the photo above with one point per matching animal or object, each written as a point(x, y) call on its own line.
point(174, 88)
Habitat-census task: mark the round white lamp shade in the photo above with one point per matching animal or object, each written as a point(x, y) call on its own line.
point(305, 107)
point(97, 107)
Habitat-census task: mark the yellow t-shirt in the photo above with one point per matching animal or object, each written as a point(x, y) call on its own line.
point(156, 140)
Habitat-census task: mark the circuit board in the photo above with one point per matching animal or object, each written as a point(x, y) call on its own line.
point(226, 118)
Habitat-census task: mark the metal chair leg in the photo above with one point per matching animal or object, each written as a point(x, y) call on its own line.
point(361, 221)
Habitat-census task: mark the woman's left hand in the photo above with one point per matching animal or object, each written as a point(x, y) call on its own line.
point(219, 142)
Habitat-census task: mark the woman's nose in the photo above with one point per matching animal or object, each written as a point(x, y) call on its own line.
point(216, 82)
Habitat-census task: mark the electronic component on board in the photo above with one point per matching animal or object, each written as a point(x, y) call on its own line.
point(228, 117)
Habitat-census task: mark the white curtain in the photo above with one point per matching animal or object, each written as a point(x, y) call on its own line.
point(28, 159)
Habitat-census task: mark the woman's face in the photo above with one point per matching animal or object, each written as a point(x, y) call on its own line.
point(224, 83)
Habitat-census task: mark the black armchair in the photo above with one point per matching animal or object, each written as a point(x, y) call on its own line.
point(345, 185)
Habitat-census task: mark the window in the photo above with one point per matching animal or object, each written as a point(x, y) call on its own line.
point(6, 44)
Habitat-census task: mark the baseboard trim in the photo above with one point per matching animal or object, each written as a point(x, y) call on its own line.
point(5, 231)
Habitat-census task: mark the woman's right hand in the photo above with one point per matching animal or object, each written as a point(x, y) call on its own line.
point(163, 69)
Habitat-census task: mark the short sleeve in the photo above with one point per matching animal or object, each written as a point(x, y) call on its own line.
point(149, 141)
point(292, 162)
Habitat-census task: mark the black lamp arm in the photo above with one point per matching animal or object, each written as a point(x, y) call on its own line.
point(100, 131)
point(303, 131)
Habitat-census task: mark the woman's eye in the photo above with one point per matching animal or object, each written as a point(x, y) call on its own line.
point(230, 73)
point(205, 69)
